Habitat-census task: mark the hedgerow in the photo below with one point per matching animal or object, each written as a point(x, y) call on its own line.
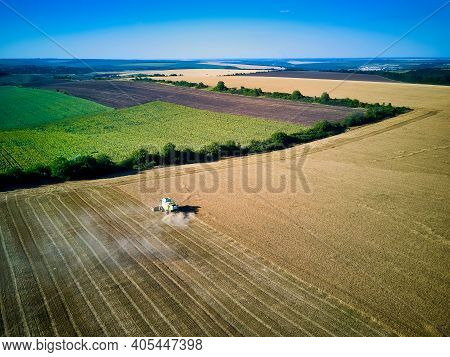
point(89, 167)
point(296, 95)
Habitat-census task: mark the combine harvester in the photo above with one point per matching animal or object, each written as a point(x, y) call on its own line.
point(167, 205)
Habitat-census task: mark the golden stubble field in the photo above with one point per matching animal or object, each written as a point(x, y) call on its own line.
point(373, 229)
point(354, 241)
point(413, 95)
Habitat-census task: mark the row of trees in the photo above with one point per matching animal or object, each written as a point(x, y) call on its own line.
point(88, 167)
point(296, 95)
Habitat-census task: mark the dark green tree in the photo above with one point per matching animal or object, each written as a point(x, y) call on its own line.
point(296, 95)
point(220, 87)
point(325, 97)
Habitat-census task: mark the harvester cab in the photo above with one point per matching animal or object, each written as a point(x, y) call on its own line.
point(167, 205)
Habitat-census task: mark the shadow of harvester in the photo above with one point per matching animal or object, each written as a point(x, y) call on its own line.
point(189, 209)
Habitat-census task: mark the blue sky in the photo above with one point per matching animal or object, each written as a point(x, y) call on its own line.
point(224, 29)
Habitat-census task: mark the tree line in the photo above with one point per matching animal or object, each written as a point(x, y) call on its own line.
point(90, 167)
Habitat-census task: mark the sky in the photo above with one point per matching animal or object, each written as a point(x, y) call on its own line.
point(138, 29)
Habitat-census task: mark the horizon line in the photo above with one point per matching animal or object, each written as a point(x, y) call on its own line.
point(217, 58)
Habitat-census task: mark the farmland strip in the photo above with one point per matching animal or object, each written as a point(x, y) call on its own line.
point(222, 272)
point(209, 298)
point(277, 275)
point(129, 300)
point(20, 326)
point(223, 292)
point(74, 279)
point(284, 110)
point(43, 323)
point(61, 305)
point(152, 304)
point(164, 285)
point(175, 281)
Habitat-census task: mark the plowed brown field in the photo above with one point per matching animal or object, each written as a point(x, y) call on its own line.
point(122, 94)
point(356, 243)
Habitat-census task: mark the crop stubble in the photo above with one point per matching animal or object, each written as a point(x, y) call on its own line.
point(94, 261)
point(373, 232)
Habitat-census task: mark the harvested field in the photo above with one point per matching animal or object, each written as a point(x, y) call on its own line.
point(120, 94)
point(411, 95)
point(324, 75)
point(370, 230)
point(92, 261)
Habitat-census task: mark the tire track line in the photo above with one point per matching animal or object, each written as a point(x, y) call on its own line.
point(252, 258)
point(4, 280)
point(155, 308)
point(346, 140)
point(4, 323)
point(31, 264)
point(205, 290)
point(222, 273)
point(269, 328)
point(74, 279)
point(16, 289)
point(295, 324)
point(66, 308)
point(149, 273)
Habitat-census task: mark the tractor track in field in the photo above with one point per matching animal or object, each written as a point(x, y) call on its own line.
point(120, 270)
point(240, 251)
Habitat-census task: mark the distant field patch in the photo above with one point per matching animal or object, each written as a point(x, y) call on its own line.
point(27, 107)
point(118, 133)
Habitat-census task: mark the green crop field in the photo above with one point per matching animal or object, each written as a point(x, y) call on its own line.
point(119, 132)
point(27, 107)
